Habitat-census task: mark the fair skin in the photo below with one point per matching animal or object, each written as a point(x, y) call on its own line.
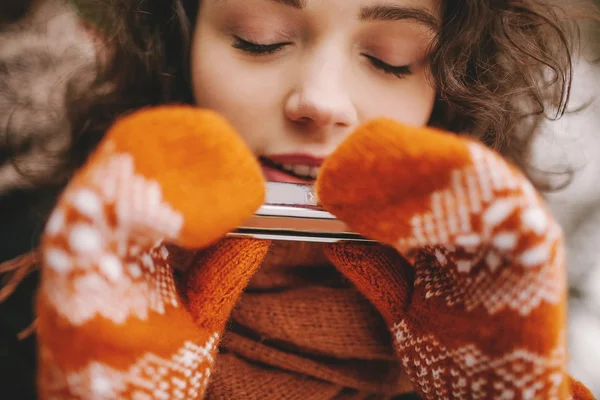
point(295, 78)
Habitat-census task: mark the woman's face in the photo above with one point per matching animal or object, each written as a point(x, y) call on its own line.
point(296, 77)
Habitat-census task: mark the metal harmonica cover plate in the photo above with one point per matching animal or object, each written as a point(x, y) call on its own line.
point(292, 212)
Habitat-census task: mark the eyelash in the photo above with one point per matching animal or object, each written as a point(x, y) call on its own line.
point(267, 49)
point(257, 49)
point(401, 71)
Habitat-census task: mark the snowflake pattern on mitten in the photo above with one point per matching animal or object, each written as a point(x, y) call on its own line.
point(112, 324)
point(480, 313)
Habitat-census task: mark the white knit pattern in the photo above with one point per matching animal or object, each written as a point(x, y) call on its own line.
point(479, 259)
point(495, 289)
point(489, 189)
point(518, 374)
point(96, 267)
point(142, 285)
point(188, 371)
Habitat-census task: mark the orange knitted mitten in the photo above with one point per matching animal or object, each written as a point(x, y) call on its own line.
point(111, 323)
point(480, 313)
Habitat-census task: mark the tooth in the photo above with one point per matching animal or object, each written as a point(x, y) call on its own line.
point(314, 171)
point(288, 167)
point(302, 170)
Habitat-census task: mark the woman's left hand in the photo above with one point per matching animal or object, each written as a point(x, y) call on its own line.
point(481, 312)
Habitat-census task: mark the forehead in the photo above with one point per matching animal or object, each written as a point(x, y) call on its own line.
point(305, 3)
point(424, 11)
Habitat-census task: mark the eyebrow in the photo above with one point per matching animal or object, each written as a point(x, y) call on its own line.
point(299, 4)
point(383, 12)
point(389, 12)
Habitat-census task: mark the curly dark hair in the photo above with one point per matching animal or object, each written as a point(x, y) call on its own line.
point(500, 68)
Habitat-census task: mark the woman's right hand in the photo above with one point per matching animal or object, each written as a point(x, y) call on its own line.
point(111, 322)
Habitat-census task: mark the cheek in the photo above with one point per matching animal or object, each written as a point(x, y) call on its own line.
point(217, 83)
point(241, 94)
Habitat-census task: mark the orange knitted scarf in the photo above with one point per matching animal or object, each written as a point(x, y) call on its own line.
point(478, 313)
point(302, 331)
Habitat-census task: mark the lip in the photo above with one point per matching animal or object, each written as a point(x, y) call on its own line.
point(273, 174)
point(301, 159)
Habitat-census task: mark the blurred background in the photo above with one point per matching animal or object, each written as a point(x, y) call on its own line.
point(573, 142)
point(45, 54)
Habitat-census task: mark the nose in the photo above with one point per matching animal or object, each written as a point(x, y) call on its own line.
point(321, 99)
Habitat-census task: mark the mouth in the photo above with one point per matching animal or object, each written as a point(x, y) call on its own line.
point(300, 169)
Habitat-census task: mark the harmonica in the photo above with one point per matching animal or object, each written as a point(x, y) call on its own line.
point(292, 212)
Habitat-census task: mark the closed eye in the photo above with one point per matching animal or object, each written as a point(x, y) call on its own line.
point(401, 71)
point(256, 48)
